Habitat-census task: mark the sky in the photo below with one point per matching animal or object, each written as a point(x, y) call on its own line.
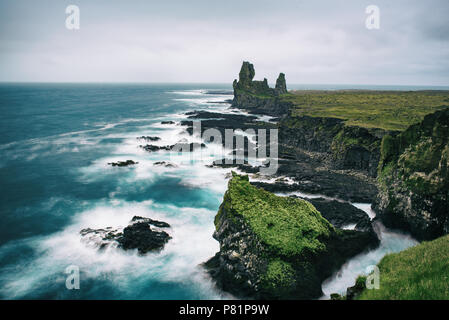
point(312, 42)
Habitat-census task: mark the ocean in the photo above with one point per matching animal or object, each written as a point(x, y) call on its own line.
point(56, 141)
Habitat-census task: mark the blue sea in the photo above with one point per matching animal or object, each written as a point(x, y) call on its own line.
point(56, 141)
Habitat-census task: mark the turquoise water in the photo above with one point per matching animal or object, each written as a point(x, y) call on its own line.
point(55, 143)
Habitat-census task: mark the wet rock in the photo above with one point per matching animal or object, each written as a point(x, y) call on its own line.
point(165, 164)
point(122, 163)
point(167, 122)
point(180, 146)
point(148, 138)
point(143, 234)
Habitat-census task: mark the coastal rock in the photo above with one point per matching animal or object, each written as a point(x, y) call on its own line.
point(143, 234)
point(281, 84)
point(122, 163)
point(165, 164)
point(167, 122)
point(180, 146)
point(414, 178)
point(343, 147)
point(148, 138)
point(275, 247)
point(257, 96)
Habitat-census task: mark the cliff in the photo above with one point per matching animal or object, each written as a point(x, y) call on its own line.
point(276, 247)
point(414, 178)
point(343, 147)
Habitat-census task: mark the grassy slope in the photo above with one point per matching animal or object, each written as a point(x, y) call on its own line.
point(390, 110)
point(421, 272)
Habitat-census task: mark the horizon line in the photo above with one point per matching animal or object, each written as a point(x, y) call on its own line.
point(221, 83)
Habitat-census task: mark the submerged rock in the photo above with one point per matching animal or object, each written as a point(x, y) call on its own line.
point(275, 247)
point(139, 235)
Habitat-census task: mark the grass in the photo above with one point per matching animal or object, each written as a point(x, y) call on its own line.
point(280, 274)
point(389, 110)
point(286, 225)
point(418, 273)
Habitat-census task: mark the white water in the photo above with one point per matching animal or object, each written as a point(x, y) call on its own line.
point(390, 241)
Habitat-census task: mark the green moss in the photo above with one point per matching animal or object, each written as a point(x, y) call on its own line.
point(390, 110)
point(420, 272)
point(280, 275)
point(286, 225)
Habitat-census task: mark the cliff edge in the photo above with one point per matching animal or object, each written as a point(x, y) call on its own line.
point(414, 178)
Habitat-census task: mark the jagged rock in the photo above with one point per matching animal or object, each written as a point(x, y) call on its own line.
point(414, 178)
point(257, 96)
point(275, 247)
point(167, 122)
point(137, 235)
point(281, 84)
point(122, 163)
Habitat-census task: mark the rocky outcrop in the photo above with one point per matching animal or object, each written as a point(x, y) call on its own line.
point(122, 163)
point(143, 234)
point(257, 96)
point(414, 178)
point(281, 84)
point(343, 147)
point(148, 138)
point(276, 247)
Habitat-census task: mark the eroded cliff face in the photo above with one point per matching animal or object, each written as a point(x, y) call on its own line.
point(277, 247)
point(344, 147)
point(414, 178)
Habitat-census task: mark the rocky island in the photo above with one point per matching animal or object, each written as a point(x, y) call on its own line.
point(275, 247)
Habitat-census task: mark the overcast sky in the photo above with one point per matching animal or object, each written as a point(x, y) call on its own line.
point(206, 40)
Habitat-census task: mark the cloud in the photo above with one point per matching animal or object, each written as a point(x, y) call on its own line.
point(205, 41)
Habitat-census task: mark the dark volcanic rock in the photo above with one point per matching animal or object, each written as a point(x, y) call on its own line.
point(254, 262)
point(342, 214)
point(140, 236)
point(122, 163)
point(148, 138)
point(180, 146)
point(167, 122)
point(137, 235)
point(165, 164)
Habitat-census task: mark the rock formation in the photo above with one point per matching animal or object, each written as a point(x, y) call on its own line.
point(276, 247)
point(414, 178)
point(143, 234)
